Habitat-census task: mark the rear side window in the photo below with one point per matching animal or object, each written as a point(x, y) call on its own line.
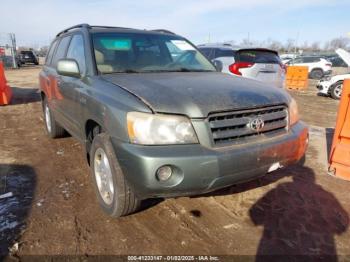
point(258, 57)
point(27, 53)
point(76, 51)
point(207, 52)
point(297, 61)
point(311, 59)
point(49, 55)
point(60, 51)
point(224, 53)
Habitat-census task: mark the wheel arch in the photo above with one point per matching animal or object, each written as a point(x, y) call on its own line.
point(316, 68)
point(92, 128)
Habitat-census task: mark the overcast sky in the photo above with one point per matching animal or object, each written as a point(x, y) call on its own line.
point(316, 20)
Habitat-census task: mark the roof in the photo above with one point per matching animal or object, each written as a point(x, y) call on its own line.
point(97, 28)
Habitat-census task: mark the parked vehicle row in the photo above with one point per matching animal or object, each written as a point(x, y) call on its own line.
point(156, 119)
point(318, 66)
point(333, 86)
point(255, 63)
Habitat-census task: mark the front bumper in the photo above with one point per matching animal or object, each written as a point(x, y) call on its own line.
point(198, 169)
point(323, 86)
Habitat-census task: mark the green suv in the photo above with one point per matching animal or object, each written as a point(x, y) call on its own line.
point(156, 118)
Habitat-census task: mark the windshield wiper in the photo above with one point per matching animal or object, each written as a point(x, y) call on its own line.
point(182, 69)
point(122, 71)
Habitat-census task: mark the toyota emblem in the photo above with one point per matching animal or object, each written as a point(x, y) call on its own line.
point(256, 124)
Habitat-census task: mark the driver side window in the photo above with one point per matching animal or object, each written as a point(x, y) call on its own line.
point(76, 51)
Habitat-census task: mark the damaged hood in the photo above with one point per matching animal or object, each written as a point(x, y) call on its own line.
point(197, 94)
point(345, 55)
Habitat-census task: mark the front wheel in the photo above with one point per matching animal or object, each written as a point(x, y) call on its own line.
point(114, 194)
point(336, 90)
point(316, 74)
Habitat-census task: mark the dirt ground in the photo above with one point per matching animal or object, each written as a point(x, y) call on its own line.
point(53, 210)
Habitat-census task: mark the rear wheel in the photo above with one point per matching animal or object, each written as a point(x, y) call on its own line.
point(54, 130)
point(113, 192)
point(336, 90)
point(316, 74)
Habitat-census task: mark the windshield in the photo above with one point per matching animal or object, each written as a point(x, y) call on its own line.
point(134, 53)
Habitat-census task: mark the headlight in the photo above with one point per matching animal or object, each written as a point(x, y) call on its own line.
point(150, 129)
point(293, 112)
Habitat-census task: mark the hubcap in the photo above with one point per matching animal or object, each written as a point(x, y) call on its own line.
point(103, 175)
point(48, 118)
point(318, 75)
point(338, 90)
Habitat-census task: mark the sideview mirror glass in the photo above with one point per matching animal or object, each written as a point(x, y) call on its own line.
point(68, 67)
point(218, 65)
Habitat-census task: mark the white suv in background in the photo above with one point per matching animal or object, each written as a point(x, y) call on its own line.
point(257, 63)
point(318, 66)
point(333, 86)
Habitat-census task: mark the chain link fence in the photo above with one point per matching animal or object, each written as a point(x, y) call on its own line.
point(8, 50)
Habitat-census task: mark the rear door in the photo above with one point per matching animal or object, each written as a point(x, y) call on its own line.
point(44, 76)
point(264, 65)
point(58, 97)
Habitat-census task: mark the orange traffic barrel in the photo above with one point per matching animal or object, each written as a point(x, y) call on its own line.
point(339, 160)
point(297, 77)
point(5, 90)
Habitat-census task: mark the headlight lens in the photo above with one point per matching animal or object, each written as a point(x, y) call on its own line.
point(151, 129)
point(293, 112)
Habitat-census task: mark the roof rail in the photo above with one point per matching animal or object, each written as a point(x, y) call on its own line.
point(102, 26)
point(164, 31)
point(73, 27)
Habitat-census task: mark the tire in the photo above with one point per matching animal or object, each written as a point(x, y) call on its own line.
point(53, 129)
point(336, 90)
point(121, 200)
point(316, 74)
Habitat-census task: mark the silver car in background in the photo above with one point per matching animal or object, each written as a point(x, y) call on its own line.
point(257, 63)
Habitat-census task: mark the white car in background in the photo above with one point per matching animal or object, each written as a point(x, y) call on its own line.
point(257, 63)
point(285, 58)
point(318, 65)
point(333, 86)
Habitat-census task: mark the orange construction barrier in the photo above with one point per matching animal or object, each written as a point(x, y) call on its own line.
point(5, 90)
point(297, 77)
point(339, 159)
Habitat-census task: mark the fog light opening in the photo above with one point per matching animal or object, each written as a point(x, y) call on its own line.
point(164, 173)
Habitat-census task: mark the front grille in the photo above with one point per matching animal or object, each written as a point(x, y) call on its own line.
point(235, 127)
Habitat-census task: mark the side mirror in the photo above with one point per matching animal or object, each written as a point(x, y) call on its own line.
point(218, 65)
point(68, 67)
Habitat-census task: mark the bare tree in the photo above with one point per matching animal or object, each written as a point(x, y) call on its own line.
point(43, 51)
point(275, 45)
point(246, 42)
point(289, 45)
point(305, 46)
point(315, 46)
point(327, 46)
point(339, 42)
